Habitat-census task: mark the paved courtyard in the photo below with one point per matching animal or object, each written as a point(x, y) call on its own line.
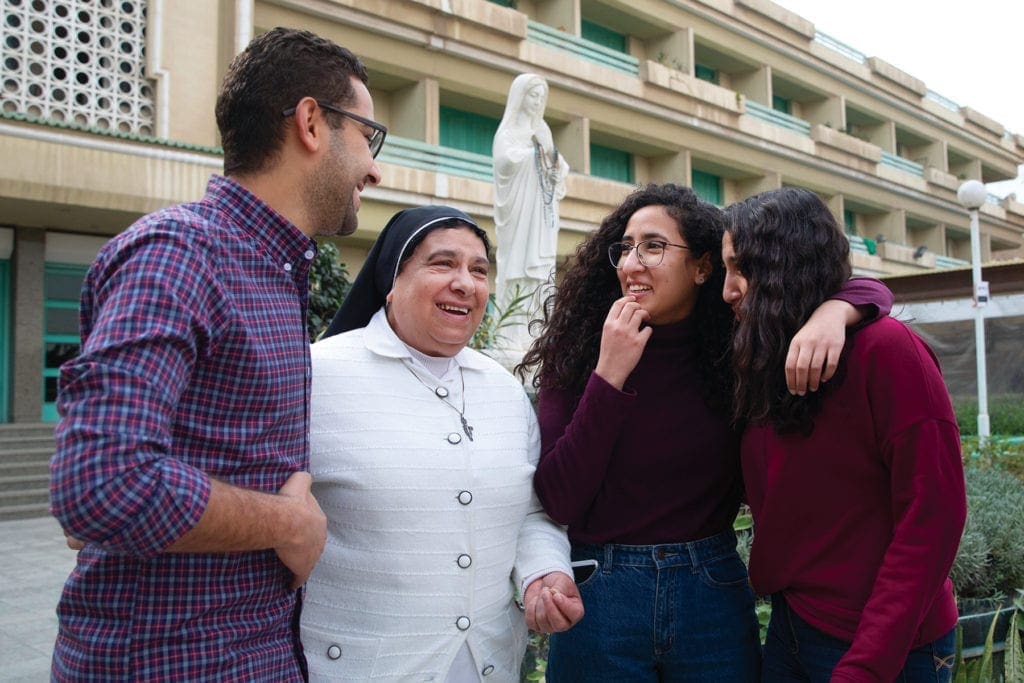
point(34, 562)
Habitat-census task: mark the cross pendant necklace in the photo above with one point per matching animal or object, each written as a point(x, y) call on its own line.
point(442, 393)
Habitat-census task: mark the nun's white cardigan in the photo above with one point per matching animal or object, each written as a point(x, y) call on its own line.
point(427, 539)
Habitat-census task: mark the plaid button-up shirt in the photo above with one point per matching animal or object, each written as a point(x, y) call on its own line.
point(194, 364)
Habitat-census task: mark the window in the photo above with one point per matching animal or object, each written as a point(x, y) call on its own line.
point(850, 222)
point(467, 131)
point(604, 37)
point(780, 104)
point(708, 186)
point(706, 73)
point(612, 164)
point(62, 287)
point(77, 61)
point(505, 3)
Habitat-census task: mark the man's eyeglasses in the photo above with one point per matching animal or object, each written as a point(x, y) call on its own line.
point(376, 139)
point(650, 253)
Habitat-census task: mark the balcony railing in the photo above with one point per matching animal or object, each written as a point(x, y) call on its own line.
point(943, 101)
point(858, 244)
point(840, 47)
point(417, 154)
point(778, 118)
point(949, 262)
point(902, 164)
point(543, 34)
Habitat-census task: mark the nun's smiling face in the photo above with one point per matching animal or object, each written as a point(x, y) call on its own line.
point(440, 294)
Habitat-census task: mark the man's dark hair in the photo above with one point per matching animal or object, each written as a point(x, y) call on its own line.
point(275, 71)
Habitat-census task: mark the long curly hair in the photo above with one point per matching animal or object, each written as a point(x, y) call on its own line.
point(794, 256)
point(566, 349)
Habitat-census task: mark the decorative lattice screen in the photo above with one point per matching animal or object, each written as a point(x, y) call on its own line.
point(77, 61)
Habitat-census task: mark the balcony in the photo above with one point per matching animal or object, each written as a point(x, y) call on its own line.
point(778, 118)
point(426, 157)
point(905, 165)
point(543, 34)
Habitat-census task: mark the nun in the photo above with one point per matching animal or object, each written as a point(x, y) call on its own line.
point(439, 555)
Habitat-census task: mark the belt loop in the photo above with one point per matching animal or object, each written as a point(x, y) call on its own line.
point(609, 558)
point(695, 559)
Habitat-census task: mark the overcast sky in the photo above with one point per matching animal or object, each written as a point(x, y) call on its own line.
point(971, 52)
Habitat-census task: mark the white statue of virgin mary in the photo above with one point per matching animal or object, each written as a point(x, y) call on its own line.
point(529, 181)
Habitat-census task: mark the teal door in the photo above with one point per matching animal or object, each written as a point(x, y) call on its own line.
point(62, 287)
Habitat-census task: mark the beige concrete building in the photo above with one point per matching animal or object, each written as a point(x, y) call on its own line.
point(106, 114)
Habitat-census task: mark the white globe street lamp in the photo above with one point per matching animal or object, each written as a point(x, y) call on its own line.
point(972, 194)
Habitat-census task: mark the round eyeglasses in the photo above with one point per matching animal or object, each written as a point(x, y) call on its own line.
point(649, 253)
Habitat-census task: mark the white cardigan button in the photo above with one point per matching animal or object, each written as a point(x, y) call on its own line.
point(334, 652)
point(462, 623)
point(465, 497)
point(454, 438)
point(441, 392)
point(488, 670)
point(465, 560)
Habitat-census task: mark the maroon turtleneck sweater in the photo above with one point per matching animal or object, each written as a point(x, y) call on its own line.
point(648, 464)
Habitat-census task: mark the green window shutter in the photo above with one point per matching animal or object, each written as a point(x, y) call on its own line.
point(467, 131)
point(708, 187)
point(62, 285)
point(706, 73)
point(780, 104)
point(612, 164)
point(5, 335)
point(849, 222)
point(505, 3)
point(605, 37)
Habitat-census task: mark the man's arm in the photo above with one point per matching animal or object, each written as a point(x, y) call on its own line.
point(289, 522)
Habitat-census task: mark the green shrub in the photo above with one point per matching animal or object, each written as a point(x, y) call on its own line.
point(990, 560)
point(328, 285)
point(1005, 454)
point(1005, 414)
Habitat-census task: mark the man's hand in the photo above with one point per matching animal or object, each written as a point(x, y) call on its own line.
point(310, 529)
point(74, 543)
point(552, 603)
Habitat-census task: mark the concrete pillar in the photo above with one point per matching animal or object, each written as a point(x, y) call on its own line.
point(891, 225)
point(671, 168)
point(741, 188)
point(564, 15)
point(756, 84)
point(837, 205)
point(830, 112)
point(674, 50)
point(414, 111)
point(573, 141)
point(27, 266)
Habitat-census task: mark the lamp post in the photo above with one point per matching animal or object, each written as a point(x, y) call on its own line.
point(972, 194)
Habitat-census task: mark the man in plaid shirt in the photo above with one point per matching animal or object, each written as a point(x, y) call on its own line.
point(182, 452)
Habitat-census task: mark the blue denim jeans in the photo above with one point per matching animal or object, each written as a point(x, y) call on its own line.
point(796, 651)
point(673, 612)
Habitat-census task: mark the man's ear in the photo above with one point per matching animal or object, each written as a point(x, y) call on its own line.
point(309, 125)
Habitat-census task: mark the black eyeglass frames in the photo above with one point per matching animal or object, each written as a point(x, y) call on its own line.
point(376, 139)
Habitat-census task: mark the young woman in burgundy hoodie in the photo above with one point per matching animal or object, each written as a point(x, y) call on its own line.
point(857, 491)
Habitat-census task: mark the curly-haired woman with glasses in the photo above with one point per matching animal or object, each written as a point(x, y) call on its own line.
point(638, 456)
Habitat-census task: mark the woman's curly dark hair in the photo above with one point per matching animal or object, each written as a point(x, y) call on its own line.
point(794, 256)
point(566, 350)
